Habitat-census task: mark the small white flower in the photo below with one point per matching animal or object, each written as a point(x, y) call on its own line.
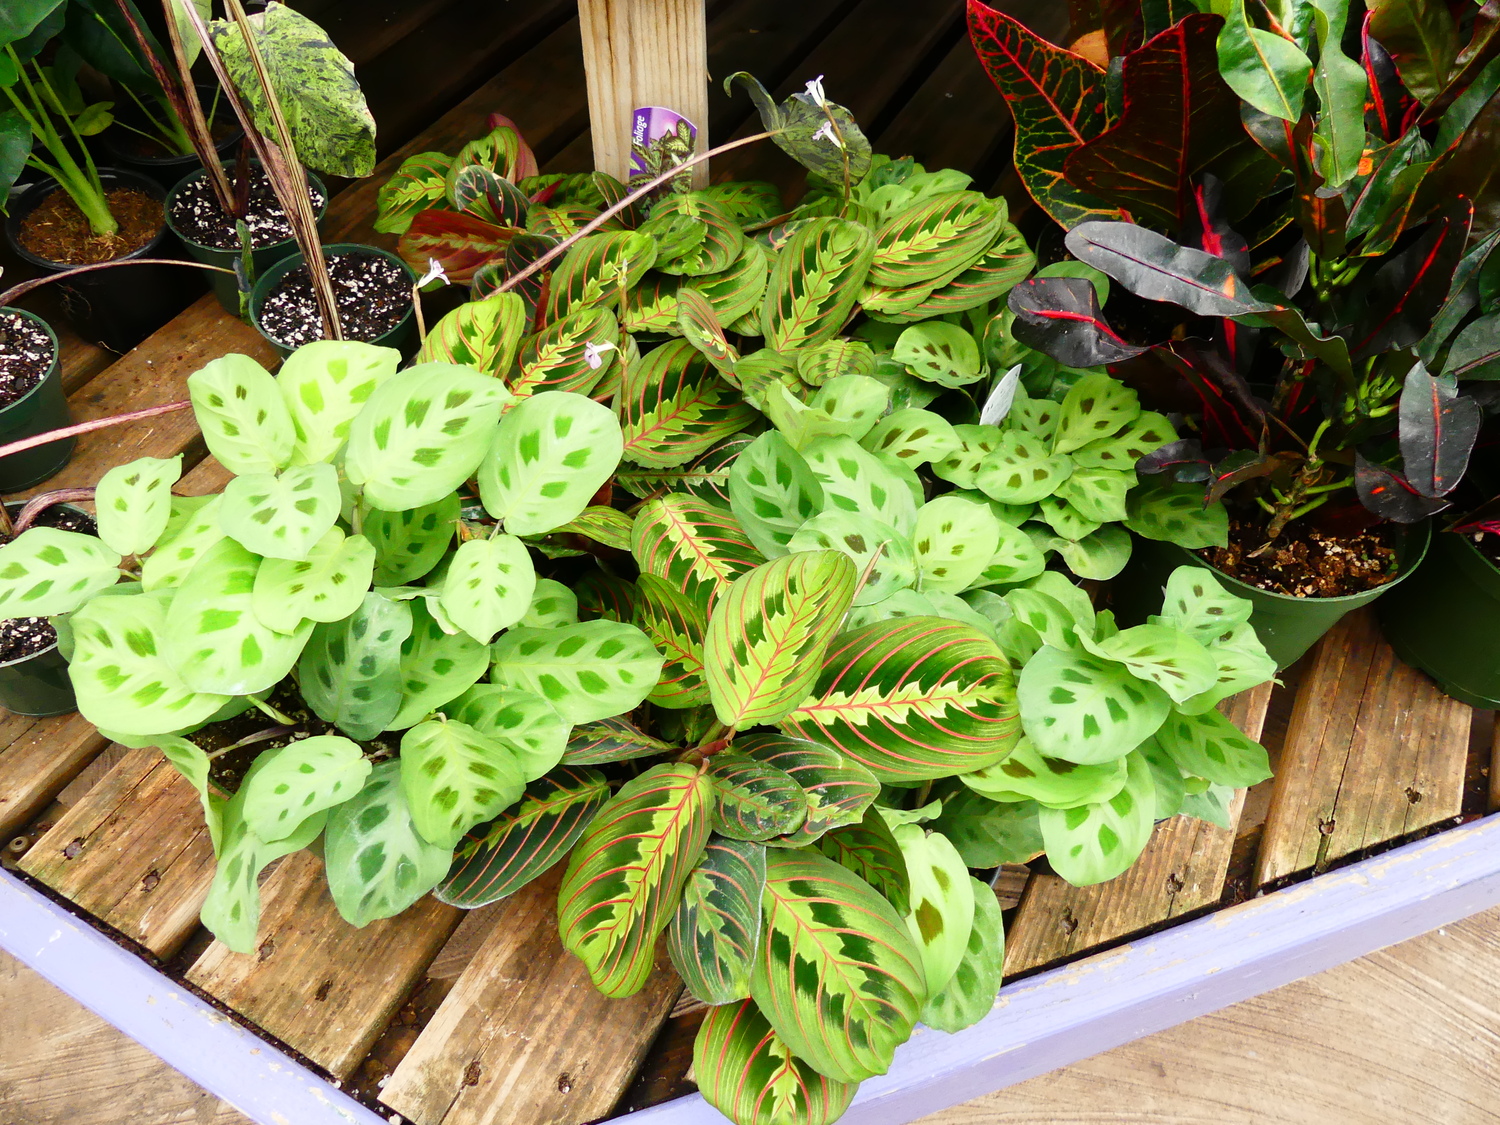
point(815, 91)
point(593, 354)
point(826, 133)
point(435, 272)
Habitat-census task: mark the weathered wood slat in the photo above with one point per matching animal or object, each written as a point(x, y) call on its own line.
point(315, 982)
point(43, 755)
point(133, 852)
point(524, 1038)
point(1373, 751)
point(1182, 869)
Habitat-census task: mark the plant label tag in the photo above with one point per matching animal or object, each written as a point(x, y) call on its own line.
point(660, 139)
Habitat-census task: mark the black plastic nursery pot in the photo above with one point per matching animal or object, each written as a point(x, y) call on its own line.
point(43, 408)
point(224, 285)
point(1287, 626)
point(402, 337)
point(37, 685)
point(114, 308)
point(1446, 620)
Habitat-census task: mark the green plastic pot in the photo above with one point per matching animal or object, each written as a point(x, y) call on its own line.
point(1446, 621)
point(37, 685)
point(262, 258)
point(1287, 626)
point(43, 408)
point(403, 337)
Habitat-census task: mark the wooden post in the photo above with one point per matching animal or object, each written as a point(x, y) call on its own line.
point(640, 53)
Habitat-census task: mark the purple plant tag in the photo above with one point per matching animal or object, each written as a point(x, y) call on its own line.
point(659, 139)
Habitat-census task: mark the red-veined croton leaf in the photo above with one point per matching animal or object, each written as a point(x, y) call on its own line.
point(1057, 100)
point(1408, 289)
point(1421, 37)
point(1390, 104)
point(1178, 115)
point(1119, 21)
point(1390, 495)
point(1482, 48)
point(1060, 317)
point(1438, 427)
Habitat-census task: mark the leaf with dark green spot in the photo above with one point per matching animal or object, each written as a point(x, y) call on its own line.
point(1094, 843)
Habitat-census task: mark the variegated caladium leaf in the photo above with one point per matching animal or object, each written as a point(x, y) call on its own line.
point(409, 543)
point(245, 422)
point(611, 740)
point(281, 517)
point(1093, 843)
point(767, 634)
point(881, 555)
point(815, 281)
point(436, 666)
point(935, 239)
point(328, 585)
point(626, 874)
point(597, 269)
point(1209, 745)
point(120, 675)
point(696, 546)
point(942, 901)
point(419, 183)
point(1086, 709)
point(325, 384)
point(868, 849)
point(377, 862)
point(837, 791)
point(350, 671)
point(913, 698)
point(181, 545)
point(754, 800)
point(1057, 100)
point(134, 502)
point(213, 638)
point(522, 720)
point(488, 586)
point(454, 777)
point(482, 334)
point(587, 672)
point(47, 571)
point(673, 405)
point(716, 926)
point(571, 354)
point(1058, 784)
point(496, 859)
point(970, 992)
point(823, 922)
point(752, 1077)
point(294, 782)
point(955, 539)
point(422, 433)
point(549, 456)
point(854, 480)
point(675, 623)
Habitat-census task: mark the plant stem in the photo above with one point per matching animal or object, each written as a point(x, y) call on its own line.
point(39, 504)
point(16, 292)
point(89, 427)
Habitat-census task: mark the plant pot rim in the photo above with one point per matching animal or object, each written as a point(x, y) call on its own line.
point(272, 274)
point(48, 184)
point(56, 358)
point(197, 173)
point(1418, 540)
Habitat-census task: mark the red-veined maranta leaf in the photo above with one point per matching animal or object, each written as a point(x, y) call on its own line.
point(767, 634)
point(673, 405)
point(716, 927)
point(870, 851)
point(913, 698)
point(1178, 116)
point(610, 740)
point(815, 279)
point(1057, 100)
point(571, 354)
point(497, 859)
point(1060, 317)
point(675, 624)
point(697, 546)
point(420, 183)
point(754, 800)
point(627, 872)
point(838, 792)
point(460, 243)
point(1438, 427)
point(705, 476)
point(751, 1077)
point(836, 974)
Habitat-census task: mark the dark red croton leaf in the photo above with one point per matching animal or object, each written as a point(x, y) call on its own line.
point(1484, 518)
point(1185, 457)
point(1231, 416)
point(1408, 290)
point(1205, 228)
point(1389, 104)
point(1322, 218)
point(1060, 317)
point(1389, 495)
point(1483, 48)
point(1470, 168)
point(1437, 428)
point(1119, 20)
point(1178, 116)
point(1057, 101)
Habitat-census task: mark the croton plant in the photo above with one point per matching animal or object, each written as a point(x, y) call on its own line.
point(729, 553)
point(1305, 200)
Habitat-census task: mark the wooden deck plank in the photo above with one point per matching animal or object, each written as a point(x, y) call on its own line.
point(315, 982)
point(133, 852)
point(42, 756)
point(524, 1038)
point(1373, 751)
point(1182, 869)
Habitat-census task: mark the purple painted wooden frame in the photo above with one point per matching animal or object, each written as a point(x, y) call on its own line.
point(1039, 1024)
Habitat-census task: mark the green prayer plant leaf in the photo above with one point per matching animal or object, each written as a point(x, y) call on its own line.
point(869, 849)
point(855, 480)
point(590, 671)
point(882, 557)
point(1209, 745)
point(437, 666)
point(676, 624)
point(521, 720)
point(350, 671)
point(815, 280)
point(46, 571)
point(773, 492)
point(408, 544)
point(955, 539)
point(328, 585)
point(696, 546)
point(942, 902)
point(245, 422)
point(716, 927)
point(1094, 843)
point(281, 517)
point(940, 353)
point(970, 992)
point(296, 781)
point(1051, 782)
point(838, 792)
point(1167, 657)
point(1175, 513)
point(673, 406)
point(325, 383)
point(488, 586)
point(419, 183)
point(134, 503)
point(989, 833)
point(1086, 709)
point(484, 335)
point(455, 777)
point(611, 740)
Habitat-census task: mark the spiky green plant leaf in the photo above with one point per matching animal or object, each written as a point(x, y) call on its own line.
point(296, 781)
point(716, 926)
point(134, 503)
point(590, 671)
point(626, 874)
point(245, 421)
point(1093, 843)
point(350, 671)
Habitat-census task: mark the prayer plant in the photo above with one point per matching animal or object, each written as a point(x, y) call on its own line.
point(1300, 199)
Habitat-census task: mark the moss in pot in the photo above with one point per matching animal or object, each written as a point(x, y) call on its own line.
point(31, 398)
point(373, 291)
